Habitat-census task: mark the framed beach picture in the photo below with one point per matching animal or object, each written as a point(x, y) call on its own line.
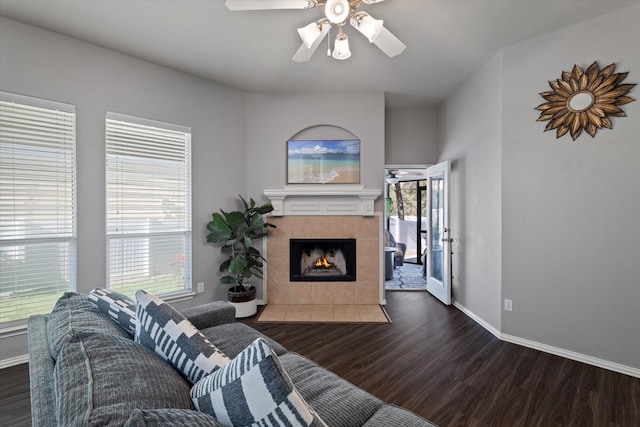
point(326, 161)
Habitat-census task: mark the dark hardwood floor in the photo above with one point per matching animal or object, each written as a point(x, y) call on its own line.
point(439, 363)
point(15, 406)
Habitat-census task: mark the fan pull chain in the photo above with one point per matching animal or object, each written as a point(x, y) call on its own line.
point(329, 42)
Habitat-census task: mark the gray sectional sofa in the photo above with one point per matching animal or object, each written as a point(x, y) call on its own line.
point(87, 370)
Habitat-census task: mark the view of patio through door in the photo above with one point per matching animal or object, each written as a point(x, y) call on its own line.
point(405, 221)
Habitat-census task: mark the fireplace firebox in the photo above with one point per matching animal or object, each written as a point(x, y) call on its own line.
point(322, 260)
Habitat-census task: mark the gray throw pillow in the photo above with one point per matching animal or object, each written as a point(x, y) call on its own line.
point(162, 329)
point(120, 308)
point(253, 389)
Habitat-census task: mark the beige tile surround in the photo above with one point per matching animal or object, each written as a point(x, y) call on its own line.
point(366, 288)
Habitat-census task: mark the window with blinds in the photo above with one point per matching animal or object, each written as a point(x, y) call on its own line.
point(148, 187)
point(37, 205)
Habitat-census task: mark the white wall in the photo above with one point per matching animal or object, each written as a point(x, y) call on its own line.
point(469, 134)
point(43, 64)
point(272, 119)
point(571, 210)
point(411, 136)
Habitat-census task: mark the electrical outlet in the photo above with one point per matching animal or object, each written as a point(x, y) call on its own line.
point(200, 287)
point(508, 305)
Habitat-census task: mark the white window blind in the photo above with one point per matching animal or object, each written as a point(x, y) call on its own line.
point(37, 205)
point(148, 179)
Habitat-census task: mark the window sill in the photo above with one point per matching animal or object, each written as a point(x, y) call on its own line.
point(185, 296)
point(13, 331)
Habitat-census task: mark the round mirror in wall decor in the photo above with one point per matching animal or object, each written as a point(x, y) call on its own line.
point(584, 100)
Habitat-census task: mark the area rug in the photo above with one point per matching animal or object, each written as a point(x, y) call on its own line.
point(324, 313)
point(407, 277)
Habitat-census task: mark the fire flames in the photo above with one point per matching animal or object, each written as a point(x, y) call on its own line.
point(322, 263)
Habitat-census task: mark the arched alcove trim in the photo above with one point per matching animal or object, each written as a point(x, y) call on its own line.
point(324, 131)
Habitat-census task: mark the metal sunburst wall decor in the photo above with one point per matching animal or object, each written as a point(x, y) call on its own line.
point(584, 100)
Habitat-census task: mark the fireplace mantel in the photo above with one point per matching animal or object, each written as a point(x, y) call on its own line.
point(314, 200)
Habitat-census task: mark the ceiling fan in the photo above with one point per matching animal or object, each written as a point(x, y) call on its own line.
point(337, 14)
point(393, 176)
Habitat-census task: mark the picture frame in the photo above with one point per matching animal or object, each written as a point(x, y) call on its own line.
point(326, 161)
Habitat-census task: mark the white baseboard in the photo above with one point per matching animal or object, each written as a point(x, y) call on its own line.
point(478, 319)
point(13, 361)
point(579, 357)
point(590, 360)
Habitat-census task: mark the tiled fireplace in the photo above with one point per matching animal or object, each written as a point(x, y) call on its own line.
point(315, 229)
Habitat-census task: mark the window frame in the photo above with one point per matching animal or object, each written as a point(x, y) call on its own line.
point(64, 147)
point(187, 282)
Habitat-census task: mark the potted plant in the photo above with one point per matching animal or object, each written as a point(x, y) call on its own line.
point(235, 232)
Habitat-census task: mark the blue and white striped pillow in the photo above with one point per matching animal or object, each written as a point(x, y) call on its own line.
point(120, 308)
point(253, 389)
point(175, 339)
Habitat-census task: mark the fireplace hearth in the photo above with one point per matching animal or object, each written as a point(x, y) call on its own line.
point(322, 260)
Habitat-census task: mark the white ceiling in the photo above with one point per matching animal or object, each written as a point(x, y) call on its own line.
point(447, 40)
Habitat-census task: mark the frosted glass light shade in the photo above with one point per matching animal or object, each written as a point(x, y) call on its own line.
point(341, 49)
point(368, 26)
point(309, 34)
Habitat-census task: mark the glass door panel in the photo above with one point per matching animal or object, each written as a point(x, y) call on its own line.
point(438, 243)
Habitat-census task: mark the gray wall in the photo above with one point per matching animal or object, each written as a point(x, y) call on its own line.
point(571, 210)
point(551, 224)
point(469, 131)
point(238, 146)
point(411, 136)
point(273, 119)
point(42, 64)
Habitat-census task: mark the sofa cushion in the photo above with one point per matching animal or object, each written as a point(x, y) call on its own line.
point(74, 313)
point(165, 331)
point(120, 308)
point(170, 418)
point(391, 415)
point(232, 338)
point(253, 389)
point(100, 379)
point(338, 402)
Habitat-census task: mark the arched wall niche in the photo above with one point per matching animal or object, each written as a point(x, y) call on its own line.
point(324, 132)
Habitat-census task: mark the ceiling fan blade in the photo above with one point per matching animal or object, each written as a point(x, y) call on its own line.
point(304, 53)
point(372, 1)
point(388, 43)
point(269, 4)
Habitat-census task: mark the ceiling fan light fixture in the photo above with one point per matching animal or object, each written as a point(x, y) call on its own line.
point(341, 48)
point(310, 33)
point(337, 11)
point(367, 25)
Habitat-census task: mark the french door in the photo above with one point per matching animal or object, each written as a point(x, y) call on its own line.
point(438, 268)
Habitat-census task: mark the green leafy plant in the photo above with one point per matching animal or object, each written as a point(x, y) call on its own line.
point(388, 206)
point(235, 232)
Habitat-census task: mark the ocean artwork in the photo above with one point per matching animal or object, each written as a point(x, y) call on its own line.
point(323, 161)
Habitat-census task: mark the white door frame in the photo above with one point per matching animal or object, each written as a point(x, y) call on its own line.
point(439, 279)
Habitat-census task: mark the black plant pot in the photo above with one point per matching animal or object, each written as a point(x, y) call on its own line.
point(241, 293)
point(243, 298)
